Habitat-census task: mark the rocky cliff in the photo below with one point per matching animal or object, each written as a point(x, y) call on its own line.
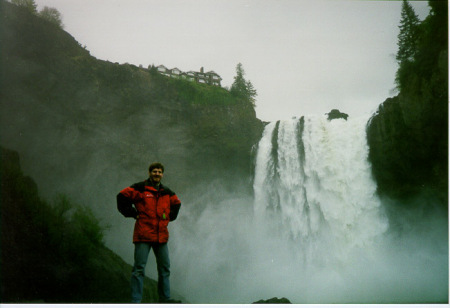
point(408, 135)
point(88, 127)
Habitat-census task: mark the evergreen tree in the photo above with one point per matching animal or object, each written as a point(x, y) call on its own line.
point(242, 88)
point(238, 87)
point(251, 93)
point(409, 34)
point(408, 45)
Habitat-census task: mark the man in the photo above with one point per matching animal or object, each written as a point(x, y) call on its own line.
point(154, 206)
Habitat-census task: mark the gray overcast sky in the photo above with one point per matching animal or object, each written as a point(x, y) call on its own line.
point(302, 56)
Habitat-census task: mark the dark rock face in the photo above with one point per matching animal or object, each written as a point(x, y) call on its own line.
point(336, 114)
point(408, 150)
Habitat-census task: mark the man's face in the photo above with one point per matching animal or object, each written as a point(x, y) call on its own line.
point(156, 175)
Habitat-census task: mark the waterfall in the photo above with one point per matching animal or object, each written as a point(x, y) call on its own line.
point(314, 231)
point(313, 184)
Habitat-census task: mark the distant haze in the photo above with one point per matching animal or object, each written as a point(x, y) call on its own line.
point(302, 56)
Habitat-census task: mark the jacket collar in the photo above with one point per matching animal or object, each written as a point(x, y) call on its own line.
point(149, 182)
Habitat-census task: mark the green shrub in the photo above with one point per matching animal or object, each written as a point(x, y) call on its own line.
point(201, 94)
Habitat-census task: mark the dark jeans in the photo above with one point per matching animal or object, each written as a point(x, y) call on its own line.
point(141, 251)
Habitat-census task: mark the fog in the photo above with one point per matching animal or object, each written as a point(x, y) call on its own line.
point(221, 251)
point(224, 255)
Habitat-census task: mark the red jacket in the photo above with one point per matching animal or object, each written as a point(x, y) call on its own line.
point(153, 209)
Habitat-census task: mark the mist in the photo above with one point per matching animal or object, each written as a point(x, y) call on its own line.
point(225, 255)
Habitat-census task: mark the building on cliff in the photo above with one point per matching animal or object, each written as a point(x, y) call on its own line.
point(211, 77)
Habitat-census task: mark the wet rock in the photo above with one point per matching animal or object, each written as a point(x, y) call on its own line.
point(274, 300)
point(336, 114)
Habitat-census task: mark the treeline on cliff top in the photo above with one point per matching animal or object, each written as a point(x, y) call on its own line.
point(56, 45)
point(408, 137)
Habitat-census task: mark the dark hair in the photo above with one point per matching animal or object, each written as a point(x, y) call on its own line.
point(156, 166)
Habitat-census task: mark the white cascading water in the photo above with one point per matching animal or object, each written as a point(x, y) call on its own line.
point(316, 233)
point(313, 181)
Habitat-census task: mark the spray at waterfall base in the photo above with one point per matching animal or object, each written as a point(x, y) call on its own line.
point(314, 232)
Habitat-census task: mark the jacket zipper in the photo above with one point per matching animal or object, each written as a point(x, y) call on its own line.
point(156, 210)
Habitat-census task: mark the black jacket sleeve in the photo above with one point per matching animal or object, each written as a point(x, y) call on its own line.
point(125, 206)
point(174, 209)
